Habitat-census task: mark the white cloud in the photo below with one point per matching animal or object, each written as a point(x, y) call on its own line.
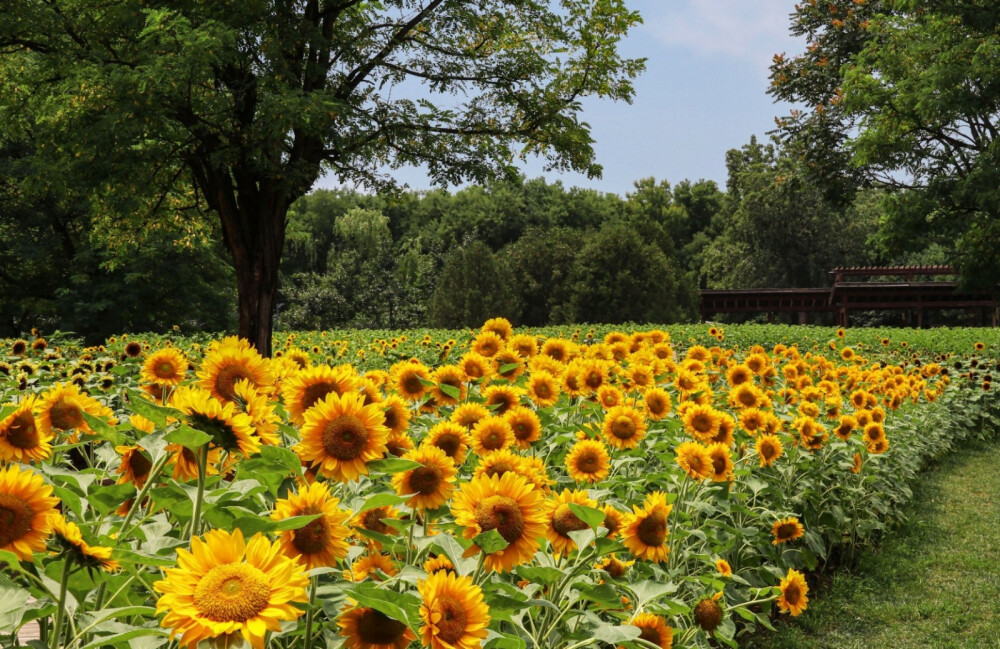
point(748, 31)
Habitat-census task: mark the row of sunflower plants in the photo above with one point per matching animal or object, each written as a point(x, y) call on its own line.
point(564, 488)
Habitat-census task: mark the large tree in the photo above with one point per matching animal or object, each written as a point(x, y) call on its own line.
point(239, 107)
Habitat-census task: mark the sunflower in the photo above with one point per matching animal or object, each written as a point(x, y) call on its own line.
point(453, 612)
point(609, 396)
point(844, 428)
point(879, 446)
point(525, 345)
point(645, 532)
point(624, 427)
point(370, 565)
point(453, 377)
point(694, 458)
point(702, 422)
point(487, 344)
point(165, 367)
point(491, 434)
point(794, 590)
point(559, 349)
point(613, 566)
point(525, 424)
point(543, 389)
point(341, 435)
point(397, 415)
point(787, 529)
point(432, 483)
point(656, 403)
point(511, 364)
point(769, 449)
point(398, 445)
point(230, 429)
point(366, 628)
point(229, 362)
point(509, 504)
point(62, 410)
point(500, 462)
point(561, 520)
point(321, 542)
point(450, 437)
point(133, 349)
point(654, 630)
point(21, 439)
point(475, 366)
point(722, 463)
point(438, 563)
point(224, 586)
point(410, 380)
point(184, 462)
point(723, 568)
point(503, 397)
point(872, 433)
point(305, 388)
point(27, 509)
point(69, 538)
point(588, 461)
point(260, 409)
point(534, 469)
point(371, 520)
point(134, 466)
point(19, 347)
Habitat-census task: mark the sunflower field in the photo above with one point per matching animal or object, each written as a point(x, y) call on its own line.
point(563, 488)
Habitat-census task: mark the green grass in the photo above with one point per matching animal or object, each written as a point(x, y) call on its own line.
point(933, 583)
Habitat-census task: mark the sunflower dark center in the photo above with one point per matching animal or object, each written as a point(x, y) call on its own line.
point(701, 423)
point(391, 418)
point(451, 626)
point(623, 427)
point(587, 461)
point(316, 392)
point(375, 628)
point(522, 430)
point(425, 479)
point(649, 634)
point(312, 537)
point(411, 384)
point(372, 521)
point(719, 464)
point(787, 531)
point(768, 451)
point(345, 437)
point(565, 521)
point(15, 518)
point(139, 464)
point(227, 378)
point(232, 592)
point(652, 529)
point(499, 468)
point(543, 390)
point(656, 405)
point(792, 593)
point(503, 403)
point(502, 514)
point(492, 440)
point(22, 432)
point(65, 415)
point(594, 380)
point(615, 568)
point(449, 443)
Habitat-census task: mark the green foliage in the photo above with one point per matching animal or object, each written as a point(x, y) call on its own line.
point(472, 288)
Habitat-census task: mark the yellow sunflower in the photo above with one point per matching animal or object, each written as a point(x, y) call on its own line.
point(21, 439)
point(62, 409)
point(366, 628)
point(184, 462)
point(722, 463)
point(609, 396)
point(305, 388)
point(507, 358)
point(614, 520)
point(230, 362)
point(409, 380)
point(450, 437)
point(487, 344)
point(794, 590)
point(225, 586)
point(397, 414)
point(27, 509)
point(371, 521)
point(500, 462)
point(543, 389)
point(453, 612)
point(491, 434)
point(260, 409)
point(624, 427)
point(321, 542)
point(645, 533)
point(432, 483)
point(371, 565)
point(468, 414)
point(166, 367)
point(769, 449)
point(504, 397)
point(588, 461)
point(341, 435)
point(613, 566)
point(453, 377)
point(525, 424)
point(561, 520)
point(134, 466)
point(230, 429)
point(438, 563)
point(723, 568)
point(702, 422)
point(656, 403)
point(654, 629)
point(787, 529)
point(69, 538)
point(525, 345)
point(694, 458)
point(509, 504)
point(475, 366)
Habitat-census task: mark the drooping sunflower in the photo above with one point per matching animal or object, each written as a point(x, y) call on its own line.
point(794, 593)
point(450, 437)
point(654, 629)
point(543, 389)
point(588, 461)
point(21, 439)
point(702, 422)
point(525, 424)
point(769, 449)
point(491, 434)
point(230, 429)
point(560, 519)
point(366, 628)
point(508, 504)
point(695, 459)
point(432, 483)
point(166, 367)
point(305, 388)
point(645, 533)
point(69, 539)
point(230, 362)
point(722, 463)
point(62, 409)
point(27, 509)
point(453, 612)
point(624, 427)
point(319, 543)
point(225, 586)
point(184, 462)
point(787, 529)
point(134, 466)
point(656, 403)
point(341, 435)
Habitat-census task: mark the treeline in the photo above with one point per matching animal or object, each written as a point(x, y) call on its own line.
point(534, 251)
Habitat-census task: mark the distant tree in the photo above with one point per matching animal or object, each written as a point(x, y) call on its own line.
point(471, 288)
point(539, 266)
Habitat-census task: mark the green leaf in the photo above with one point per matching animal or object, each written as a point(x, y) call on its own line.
point(102, 428)
point(508, 367)
point(253, 524)
point(108, 499)
point(401, 607)
point(503, 641)
point(188, 437)
point(124, 638)
point(592, 517)
point(490, 542)
point(615, 635)
point(143, 406)
point(392, 465)
point(382, 500)
point(450, 390)
point(543, 575)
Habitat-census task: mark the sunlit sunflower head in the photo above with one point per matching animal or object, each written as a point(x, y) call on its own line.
point(535, 470)
point(184, 462)
point(722, 463)
point(588, 461)
point(609, 396)
point(450, 387)
point(491, 434)
point(645, 532)
point(373, 565)
point(487, 344)
point(624, 427)
point(18, 347)
point(69, 539)
point(366, 628)
point(500, 462)
point(408, 379)
point(500, 326)
point(62, 409)
point(746, 395)
point(432, 483)
point(134, 467)
point(396, 413)
point(525, 424)
point(166, 367)
point(769, 449)
point(475, 366)
point(229, 363)
point(452, 611)
point(27, 509)
point(654, 629)
point(398, 444)
point(879, 446)
point(507, 364)
point(341, 435)
point(21, 438)
point(751, 420)
point(845, 427)
point(694, 458)
point(787, 529)
point(656, 403)
point(508, 504)
point(321, 542)
point(613, 567)
point(873, 432)
point(230, 429)
point(438, 563)
point(450, 437)
point(225, 586)
point(794, 593)
point(702, 422)
point(559, 349)
point(560, 519)
point(723, 568)
point(371, 520)
point(502, 397)
point(525, 345)
point(302, 390)
point(260, 409)
point(543, 389)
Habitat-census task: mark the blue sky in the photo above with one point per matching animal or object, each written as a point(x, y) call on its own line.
point(704, 92)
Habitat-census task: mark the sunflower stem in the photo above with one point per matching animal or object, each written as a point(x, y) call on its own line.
point(61, 606)
point(200, 496)
point(314, 584)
